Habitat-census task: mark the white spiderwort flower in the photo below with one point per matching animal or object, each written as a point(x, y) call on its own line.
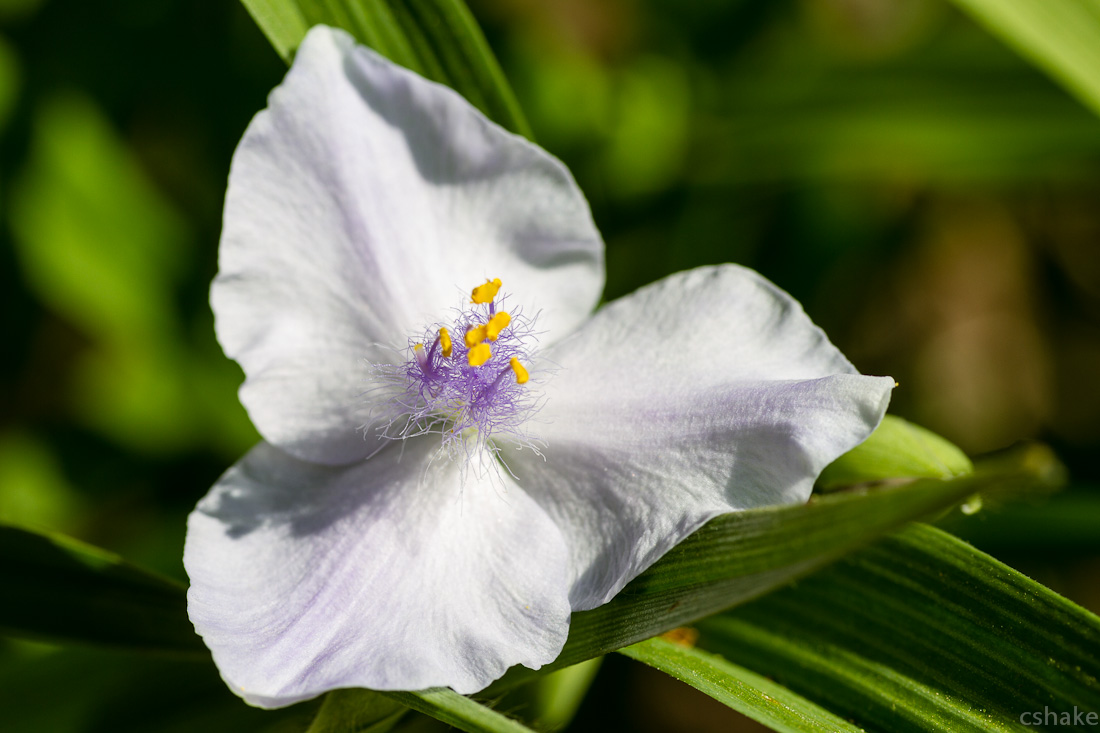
point(373, 540)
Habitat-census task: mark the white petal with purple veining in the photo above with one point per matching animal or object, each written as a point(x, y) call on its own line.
point(387, 574)
point(710, 391)
point(362, 206)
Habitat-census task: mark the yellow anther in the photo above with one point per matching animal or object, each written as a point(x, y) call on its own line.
point(521, 374)
point(418, 347)
point(485, 293)
point(479, 354)
point(496, 324)
point(475, 336)
point(445, 341)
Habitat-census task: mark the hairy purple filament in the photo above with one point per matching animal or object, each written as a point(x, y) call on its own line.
point(433, 393)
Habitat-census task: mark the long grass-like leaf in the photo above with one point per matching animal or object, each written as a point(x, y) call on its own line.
point(921, 632)
point(459, 711)
point(1060, 36)
point(59, 589)
point(741, 689)
point(439, 39)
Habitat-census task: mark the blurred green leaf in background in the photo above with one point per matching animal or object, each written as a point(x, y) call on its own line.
point(103, 249)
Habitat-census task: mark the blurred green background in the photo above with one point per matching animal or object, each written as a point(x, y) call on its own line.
point(929, 196)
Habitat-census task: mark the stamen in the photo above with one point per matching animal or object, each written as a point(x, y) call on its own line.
point(479, 354)
point(496, 324)
point(475, 336)
point(521, 372)
point(490, 391)
point(485, 293)
point(469, 390)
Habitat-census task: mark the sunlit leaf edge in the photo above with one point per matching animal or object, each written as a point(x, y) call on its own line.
point(59, 589)
point(1062, 37)
point(438, 39)
point(741, 689)
point(919, 632)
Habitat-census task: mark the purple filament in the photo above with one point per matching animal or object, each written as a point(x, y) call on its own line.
point(432, 393)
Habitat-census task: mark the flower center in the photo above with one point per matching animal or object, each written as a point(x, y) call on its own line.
point(466, 388)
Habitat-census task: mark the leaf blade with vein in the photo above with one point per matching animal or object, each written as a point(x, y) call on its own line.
point(741, 689)
point(59, 589)
point(438, 39)
point(920, 632)
point(1062, 37)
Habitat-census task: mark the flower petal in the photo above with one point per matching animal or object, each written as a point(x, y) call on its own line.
point(363, 205)
point(708, 392)
point(387, 574)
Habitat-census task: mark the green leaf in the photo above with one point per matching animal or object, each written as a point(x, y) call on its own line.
point(39, 492)
point(960, 112)
point(357, 711)
point(102, 248)
point(554, 699)
point(282, 21)
point(897, 449)
point(361, 711)
point(743, 690)
point(438, 39)
point(82, 690)
point(1068, 523)
point(1060, 36)
point(920, 632)
point(59, 589)
point(550, 702)
point(96, 240)
point(741, 556)
point(458, 711)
